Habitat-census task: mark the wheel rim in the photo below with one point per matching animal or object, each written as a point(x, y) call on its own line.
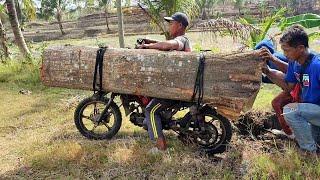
point(89, 115)
point(215, 132)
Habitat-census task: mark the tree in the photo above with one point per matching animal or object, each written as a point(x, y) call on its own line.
point(238, 4)
point(204, 5)
point(168, 7)
point(54, 7)
point(19, 39)
point(106, 4)
point(120, 24)
point(3, 38)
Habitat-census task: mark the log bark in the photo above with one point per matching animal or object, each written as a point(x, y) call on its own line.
point(231, 82)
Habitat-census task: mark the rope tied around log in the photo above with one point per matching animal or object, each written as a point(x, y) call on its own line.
point(98, 70)
point(198, 86)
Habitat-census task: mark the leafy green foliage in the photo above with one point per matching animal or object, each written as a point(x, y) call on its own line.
point(308, 20)
point(257, 36)
point(314, 36)
point(28, 8)
point(49, 7)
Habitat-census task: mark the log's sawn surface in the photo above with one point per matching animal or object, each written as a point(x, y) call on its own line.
point(231, 82)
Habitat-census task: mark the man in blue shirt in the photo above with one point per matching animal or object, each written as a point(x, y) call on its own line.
point(304, 69)
point(278, 63)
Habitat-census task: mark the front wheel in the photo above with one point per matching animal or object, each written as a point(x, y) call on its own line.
point(87, 114)
point(214, 135)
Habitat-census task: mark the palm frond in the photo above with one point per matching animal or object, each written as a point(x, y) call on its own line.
point(222, 25)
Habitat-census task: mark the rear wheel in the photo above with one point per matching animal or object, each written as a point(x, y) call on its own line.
point(87, 114)
point(214, 135)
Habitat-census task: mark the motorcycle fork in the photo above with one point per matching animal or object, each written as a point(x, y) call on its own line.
point(104, 113)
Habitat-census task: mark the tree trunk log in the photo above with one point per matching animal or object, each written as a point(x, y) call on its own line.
point(231, 82)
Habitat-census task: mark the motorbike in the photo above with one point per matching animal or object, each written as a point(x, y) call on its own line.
point(99, 117)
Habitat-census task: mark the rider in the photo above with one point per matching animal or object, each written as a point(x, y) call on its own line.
point(178, 23)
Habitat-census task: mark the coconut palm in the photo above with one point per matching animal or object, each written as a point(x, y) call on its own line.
point(19, 39)
point(3, 39)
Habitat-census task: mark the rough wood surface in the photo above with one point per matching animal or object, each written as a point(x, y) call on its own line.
point(231, 82)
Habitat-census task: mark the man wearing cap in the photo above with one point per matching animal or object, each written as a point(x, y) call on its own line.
point(178, 23)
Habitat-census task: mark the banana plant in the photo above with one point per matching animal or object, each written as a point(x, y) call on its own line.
point(307, 20)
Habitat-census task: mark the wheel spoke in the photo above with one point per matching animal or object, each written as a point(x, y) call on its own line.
point(94, 127)
point(109, 128)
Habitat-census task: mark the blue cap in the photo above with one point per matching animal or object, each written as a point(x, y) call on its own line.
point(179, 17)
point(267, 43)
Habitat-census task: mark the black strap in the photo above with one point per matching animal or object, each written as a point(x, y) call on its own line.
point(198, 86)
point(98, 70)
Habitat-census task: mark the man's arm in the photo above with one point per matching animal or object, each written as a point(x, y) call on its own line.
point(150, 41)
point(278, 78)
point(266, 55)
point(164, 46)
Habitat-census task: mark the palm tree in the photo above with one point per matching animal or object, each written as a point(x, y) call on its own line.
point(19, 39)
point(3, 38)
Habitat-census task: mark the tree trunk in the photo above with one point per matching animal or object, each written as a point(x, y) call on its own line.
point(203, 14)
point(106, 13)
point(120, 24)
point(3, 41)
point(19, 13)
point(59, 18)
point(231, 82)
point(19, 39)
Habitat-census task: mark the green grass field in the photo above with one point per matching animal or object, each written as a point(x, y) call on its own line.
point(39, 139)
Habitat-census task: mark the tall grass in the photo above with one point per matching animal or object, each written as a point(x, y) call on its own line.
point(14, 71)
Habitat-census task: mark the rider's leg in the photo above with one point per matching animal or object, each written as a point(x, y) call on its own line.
point(153, 121)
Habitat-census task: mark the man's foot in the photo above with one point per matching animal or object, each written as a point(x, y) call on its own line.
point(161, 144)
point(280, 132)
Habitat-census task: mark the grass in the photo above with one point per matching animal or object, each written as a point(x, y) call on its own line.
point(39, 140)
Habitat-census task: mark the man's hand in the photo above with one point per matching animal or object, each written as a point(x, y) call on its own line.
point(140, 46)
point(265, 54)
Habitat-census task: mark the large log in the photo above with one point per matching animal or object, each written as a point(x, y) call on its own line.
point(231, 82)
